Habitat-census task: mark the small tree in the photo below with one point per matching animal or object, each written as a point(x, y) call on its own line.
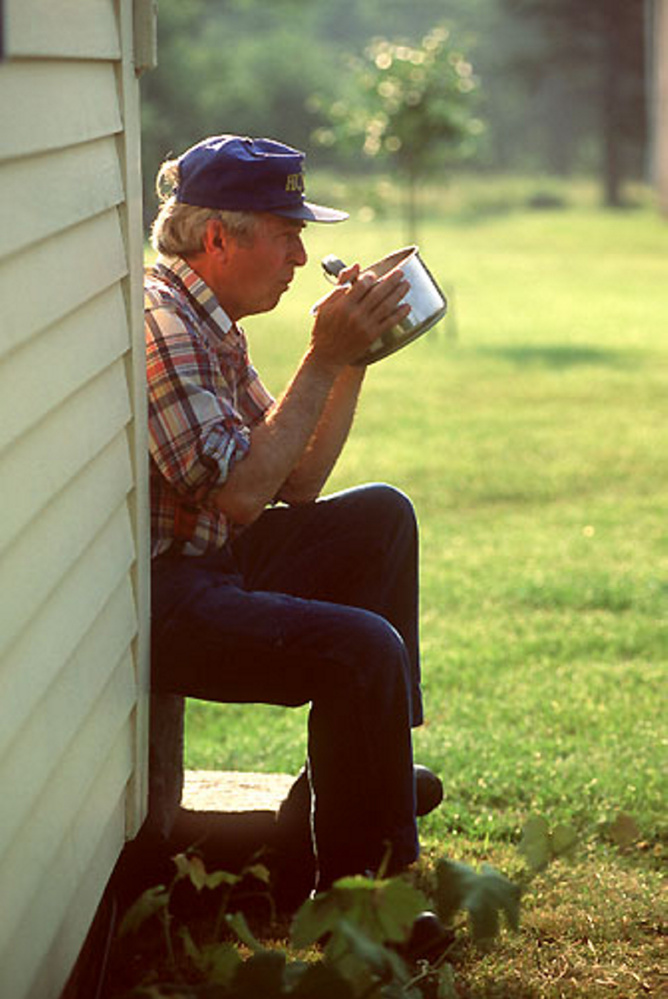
point(411, 105)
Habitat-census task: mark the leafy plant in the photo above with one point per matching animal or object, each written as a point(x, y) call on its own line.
point(361, 927)
point(215, 959)
point(358, 917)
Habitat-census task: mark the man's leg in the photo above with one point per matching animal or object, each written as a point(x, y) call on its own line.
point(213, 639)
point(358, 547)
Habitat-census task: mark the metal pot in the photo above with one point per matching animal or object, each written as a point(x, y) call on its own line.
point(427, 301)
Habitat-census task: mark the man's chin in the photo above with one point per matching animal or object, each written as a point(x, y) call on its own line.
point(280, 291)
point(268, 303)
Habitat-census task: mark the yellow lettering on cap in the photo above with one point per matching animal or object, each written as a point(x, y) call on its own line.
point(294, 182)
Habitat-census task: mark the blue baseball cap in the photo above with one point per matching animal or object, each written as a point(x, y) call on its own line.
point(248, 175)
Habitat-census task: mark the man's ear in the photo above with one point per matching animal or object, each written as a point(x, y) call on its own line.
point(215, 239)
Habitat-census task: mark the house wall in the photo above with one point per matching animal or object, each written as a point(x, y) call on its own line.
point(73, 524)
point(659, 39)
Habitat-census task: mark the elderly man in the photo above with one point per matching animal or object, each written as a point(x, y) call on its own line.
point(263, 592)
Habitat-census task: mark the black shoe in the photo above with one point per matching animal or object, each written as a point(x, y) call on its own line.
point(294, 812)
point(429, 939)
point(428, 790)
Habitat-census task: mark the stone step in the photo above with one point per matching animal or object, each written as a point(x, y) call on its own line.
point(229, 816)
point(233, 791)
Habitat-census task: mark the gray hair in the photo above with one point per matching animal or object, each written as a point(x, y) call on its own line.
point(178, 229)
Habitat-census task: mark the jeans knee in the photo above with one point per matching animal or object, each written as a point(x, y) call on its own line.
point(390, 505)
point(391, 498)
point(380, 659)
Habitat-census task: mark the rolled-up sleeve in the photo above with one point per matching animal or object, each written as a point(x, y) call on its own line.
point(196, 433)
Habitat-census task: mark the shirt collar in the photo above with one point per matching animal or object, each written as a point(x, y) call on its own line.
point(199, 290)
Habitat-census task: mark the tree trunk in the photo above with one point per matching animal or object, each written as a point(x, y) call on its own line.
point(611, 104)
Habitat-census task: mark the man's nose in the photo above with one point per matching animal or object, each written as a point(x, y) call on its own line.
point(300, 255)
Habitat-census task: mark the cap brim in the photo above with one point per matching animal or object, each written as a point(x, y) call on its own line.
point(311, 213)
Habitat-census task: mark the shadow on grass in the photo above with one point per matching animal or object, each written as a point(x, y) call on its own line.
point(561, 356)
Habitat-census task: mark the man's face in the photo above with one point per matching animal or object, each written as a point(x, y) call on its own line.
point(259, 271)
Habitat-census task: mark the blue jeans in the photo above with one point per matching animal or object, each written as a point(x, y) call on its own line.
point(315, 603)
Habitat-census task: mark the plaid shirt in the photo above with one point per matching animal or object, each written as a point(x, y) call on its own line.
point(203, 397)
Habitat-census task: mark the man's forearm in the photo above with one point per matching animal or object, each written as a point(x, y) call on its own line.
point(279, 443)
point(310, 474)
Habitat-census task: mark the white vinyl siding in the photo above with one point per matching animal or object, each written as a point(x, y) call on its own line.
point(73, 524)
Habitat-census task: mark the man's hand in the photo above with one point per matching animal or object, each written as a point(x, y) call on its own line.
point(359, 310)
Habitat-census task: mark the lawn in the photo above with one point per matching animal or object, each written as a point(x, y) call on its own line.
point(530, 431)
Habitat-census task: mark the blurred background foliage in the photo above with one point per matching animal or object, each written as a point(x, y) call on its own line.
point(559, 86)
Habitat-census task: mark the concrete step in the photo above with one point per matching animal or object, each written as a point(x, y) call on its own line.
point(233, 791)
point(229, 816)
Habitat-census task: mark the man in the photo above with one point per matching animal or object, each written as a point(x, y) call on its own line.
point(262, 592)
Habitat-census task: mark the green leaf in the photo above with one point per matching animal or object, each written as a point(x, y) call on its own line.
point(483, 895)
point(150, 902)
point(397, 906)
point(217, 878)
point(217, 962)
point(373, 956)
point(446, 983)
point(358, 916)
point(484, 917)
point(384, 909)
point(623, 831)
point(564, 840)
point(535, 844)
point(363, 961)
point(493, 893)
point(259, 871)
point(450, 888)
point(313, 920)
point(192, 868)
point(539, 846)
point(354, 882)
point(237, 922)
point(190, 947)
point(221, 962)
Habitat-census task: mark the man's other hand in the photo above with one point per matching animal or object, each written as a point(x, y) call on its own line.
point(359, 310)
